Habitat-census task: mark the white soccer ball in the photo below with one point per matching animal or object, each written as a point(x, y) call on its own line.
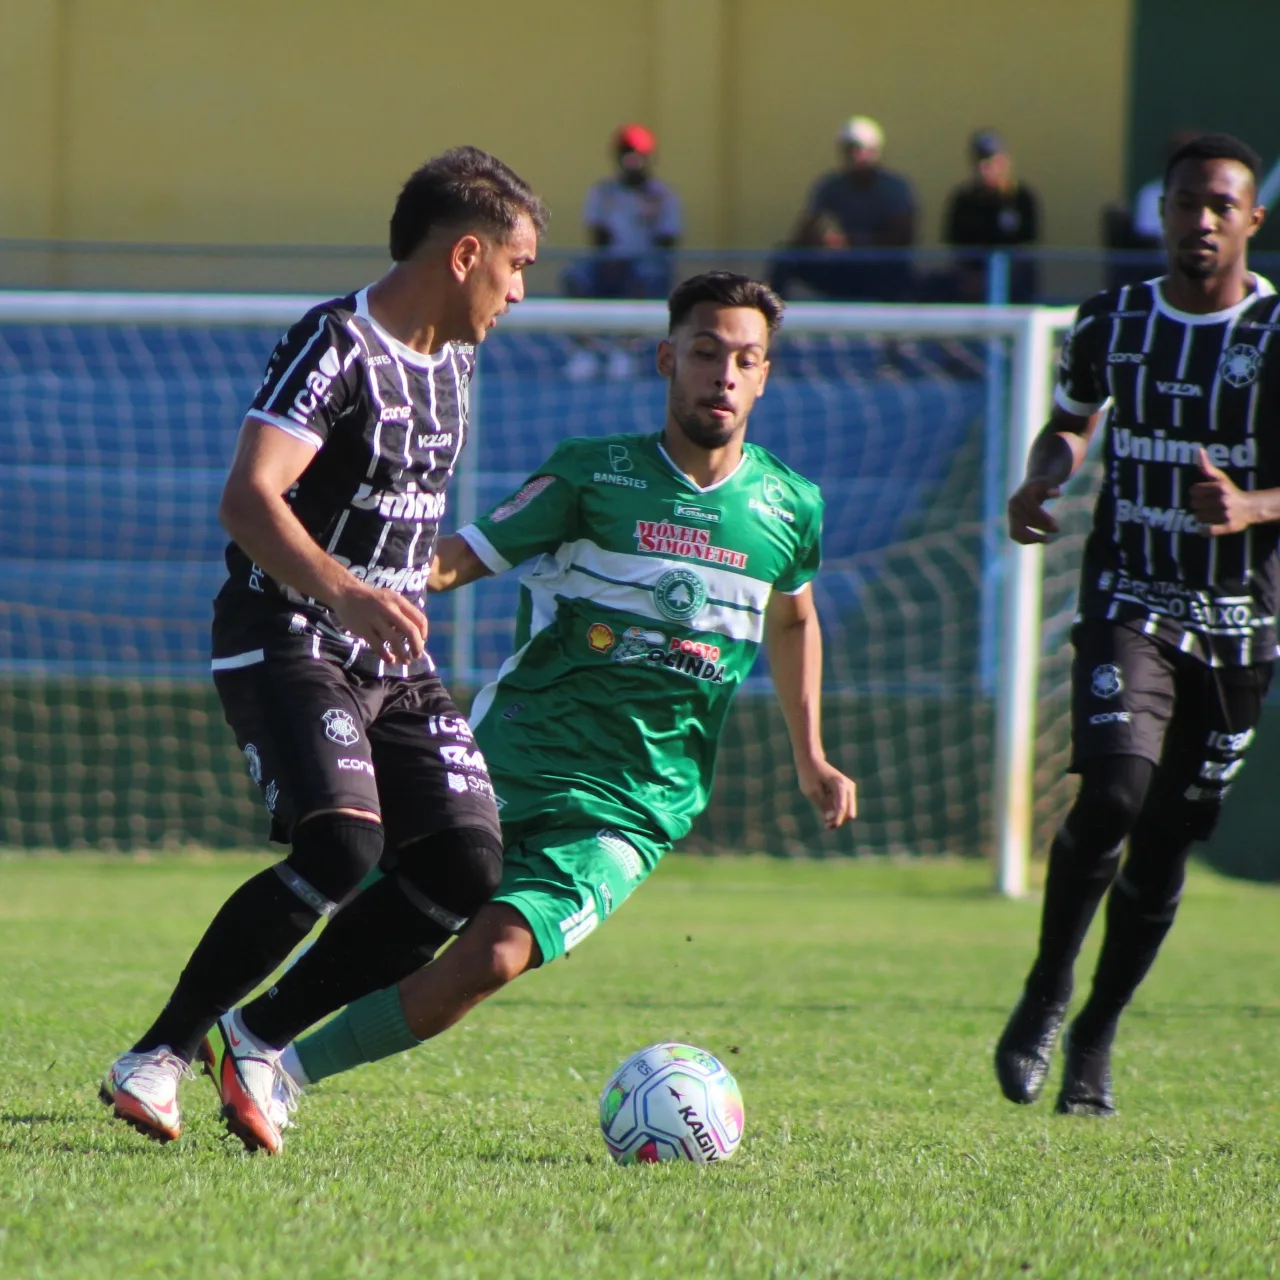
point(671, 1102)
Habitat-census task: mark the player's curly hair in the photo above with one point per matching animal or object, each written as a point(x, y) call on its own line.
point(1215, 146)
point(729, 289)
point(466, 188)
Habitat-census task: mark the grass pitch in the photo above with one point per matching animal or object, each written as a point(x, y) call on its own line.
point(858, 1005)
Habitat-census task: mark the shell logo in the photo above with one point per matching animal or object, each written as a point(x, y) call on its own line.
point(600, 637)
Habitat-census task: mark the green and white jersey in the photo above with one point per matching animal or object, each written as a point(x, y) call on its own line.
point(639, 620)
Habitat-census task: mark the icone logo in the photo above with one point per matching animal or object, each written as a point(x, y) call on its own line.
point(356, 766)
point(659, 537)
point(400, 506)
point(396, 413)
point(316, 390)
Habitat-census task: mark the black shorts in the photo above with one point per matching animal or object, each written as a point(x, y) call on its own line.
point(318, 737)
point(1132, 695)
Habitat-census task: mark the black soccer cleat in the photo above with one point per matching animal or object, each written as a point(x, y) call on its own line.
point(1086, 1081)
point(1022, 1053)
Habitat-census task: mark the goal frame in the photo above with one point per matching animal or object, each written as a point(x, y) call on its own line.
point(1028, 329)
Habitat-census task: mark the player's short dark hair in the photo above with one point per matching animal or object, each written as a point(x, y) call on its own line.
point(1215, 146)
point(466, 188)
point(728, 289)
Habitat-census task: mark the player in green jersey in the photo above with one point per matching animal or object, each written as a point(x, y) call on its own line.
point(660, 564)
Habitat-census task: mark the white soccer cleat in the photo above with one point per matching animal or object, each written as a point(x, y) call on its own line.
point(257, 1097)
point(142, 1089)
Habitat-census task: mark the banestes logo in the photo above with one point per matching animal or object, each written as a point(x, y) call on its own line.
point(662, 538)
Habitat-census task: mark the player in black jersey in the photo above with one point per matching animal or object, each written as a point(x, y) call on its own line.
point(1176, 632)
point(333, 502)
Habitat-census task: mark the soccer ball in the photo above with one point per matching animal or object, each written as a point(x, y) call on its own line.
point(671, 1102)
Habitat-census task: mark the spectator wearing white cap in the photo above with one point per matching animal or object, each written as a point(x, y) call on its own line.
point(861, 205)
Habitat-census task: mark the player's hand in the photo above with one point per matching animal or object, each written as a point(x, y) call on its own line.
point(390, 625)
point(1029, 522)
point(834, 795)
point(1217, 504)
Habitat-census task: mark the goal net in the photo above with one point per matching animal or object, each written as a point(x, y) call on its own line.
point(117, 421)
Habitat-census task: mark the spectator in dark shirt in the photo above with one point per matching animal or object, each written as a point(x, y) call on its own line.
point(993, 210)
point(861, 205)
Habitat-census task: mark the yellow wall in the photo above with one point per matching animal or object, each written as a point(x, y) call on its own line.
point(282, 121)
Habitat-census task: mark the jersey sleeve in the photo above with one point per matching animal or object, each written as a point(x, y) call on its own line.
point(802, 570)
point(535, 520)
point(1081, 387)
point(311, 379)
point(670, 221)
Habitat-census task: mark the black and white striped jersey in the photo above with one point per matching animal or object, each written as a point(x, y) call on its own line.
point(388, 424)
point(1175, 383)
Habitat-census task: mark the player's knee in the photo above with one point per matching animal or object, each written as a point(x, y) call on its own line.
point(1112, 792)
point(457, 870)
point(332, 853)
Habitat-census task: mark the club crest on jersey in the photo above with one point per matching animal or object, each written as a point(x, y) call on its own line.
point(1240, 365)
point(340, 727)
point(1106, 682)
point(679, 595)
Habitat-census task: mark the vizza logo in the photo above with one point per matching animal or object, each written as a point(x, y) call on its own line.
point(1180, 389)
point(1158, 447)
point(400, 506)
point(441, 440)
point(316, 390)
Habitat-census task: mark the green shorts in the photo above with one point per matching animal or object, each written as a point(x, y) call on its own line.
point(565, 880)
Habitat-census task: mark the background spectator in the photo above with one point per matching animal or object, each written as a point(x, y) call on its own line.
point(631, 218)
point(861, 205)
point(1138, 228)
point(993, 210)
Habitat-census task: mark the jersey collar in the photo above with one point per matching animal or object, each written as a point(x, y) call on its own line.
point(1262, 288)
point(691, 482)
point(397, 348)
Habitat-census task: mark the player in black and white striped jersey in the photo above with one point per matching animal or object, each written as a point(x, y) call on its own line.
point(333, 503)
point(1175, 638)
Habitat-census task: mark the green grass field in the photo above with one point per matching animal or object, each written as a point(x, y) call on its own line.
point(857, 1003)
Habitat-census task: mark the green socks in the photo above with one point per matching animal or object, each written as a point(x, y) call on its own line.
point(372, 1028)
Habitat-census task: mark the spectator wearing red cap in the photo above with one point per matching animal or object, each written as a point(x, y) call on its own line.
point(632, 218)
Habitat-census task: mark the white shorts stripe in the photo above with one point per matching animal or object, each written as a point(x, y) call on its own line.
point(250, 659)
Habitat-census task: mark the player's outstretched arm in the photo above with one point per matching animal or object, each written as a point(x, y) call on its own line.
point(1222, 508)
point(793, 641)
point(253, 511)
point(1056, 454)
point(454, 565)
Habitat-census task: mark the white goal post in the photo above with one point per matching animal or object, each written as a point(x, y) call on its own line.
point(1029, 333)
